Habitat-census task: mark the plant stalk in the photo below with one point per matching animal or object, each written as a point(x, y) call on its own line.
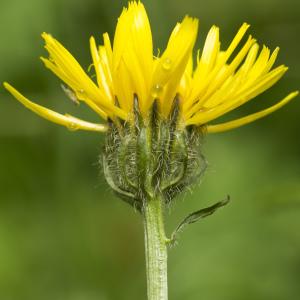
point(155, 249)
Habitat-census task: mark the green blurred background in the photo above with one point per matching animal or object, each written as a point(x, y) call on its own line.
point(64, 236)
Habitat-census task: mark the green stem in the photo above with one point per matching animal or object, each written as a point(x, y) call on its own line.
point(156, 250)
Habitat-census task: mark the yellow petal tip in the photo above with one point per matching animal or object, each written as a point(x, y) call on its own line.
point(8, 87)
point(44, 35)
point(246, 25)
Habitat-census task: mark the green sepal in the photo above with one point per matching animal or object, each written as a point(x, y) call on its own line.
point(144, 157)
point(123, 194)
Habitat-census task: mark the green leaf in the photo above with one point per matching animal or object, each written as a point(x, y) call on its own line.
point(196, 216)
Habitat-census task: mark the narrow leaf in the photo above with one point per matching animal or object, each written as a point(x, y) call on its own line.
point(196, 216)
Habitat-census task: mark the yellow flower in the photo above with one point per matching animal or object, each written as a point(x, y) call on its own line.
point(218, 84)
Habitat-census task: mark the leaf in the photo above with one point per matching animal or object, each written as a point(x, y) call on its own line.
point(196, 216)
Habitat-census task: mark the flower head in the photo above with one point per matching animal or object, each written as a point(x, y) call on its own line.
point(207, 88)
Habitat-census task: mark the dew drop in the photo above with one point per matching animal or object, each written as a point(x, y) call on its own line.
point(72, 126)
point(167, 63)
point(156, 91)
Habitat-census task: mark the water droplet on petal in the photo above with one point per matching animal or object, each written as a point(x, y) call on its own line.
point(167, 63)
point(156, 91)
point(72, 126)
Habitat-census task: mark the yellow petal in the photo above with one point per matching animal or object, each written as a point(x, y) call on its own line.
point(251, 118)
point(170, 68)
point(108, 49)
point(101, 65)
point(221, 78)
point(271, 60)
point(132, 56)
point(264, 83)
point(208, 58)
point(184, 87)
point(258, 69)
point(232, 103)
point(178, 50)
point(70, 122)
point(220, 69)
point(233, 83)
point(65, 66)
point(236, 40)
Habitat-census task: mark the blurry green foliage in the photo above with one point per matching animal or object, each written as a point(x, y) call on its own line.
point(64, 236)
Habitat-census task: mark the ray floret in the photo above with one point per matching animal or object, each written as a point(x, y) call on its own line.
point(209, 87)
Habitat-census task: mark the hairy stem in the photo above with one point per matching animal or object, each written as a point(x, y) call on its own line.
point(156, 250)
